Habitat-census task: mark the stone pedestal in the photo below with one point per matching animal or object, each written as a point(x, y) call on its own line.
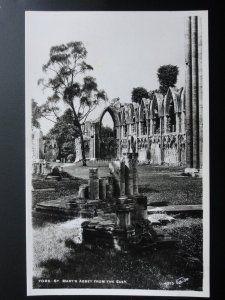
point(93, 184)
point(123, 217)
point(140, 208)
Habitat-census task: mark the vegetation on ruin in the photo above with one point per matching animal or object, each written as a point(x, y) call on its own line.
point(36, 113)
point(66, 77)
point(138, 94)
point(167, 76)
point(64, 133)
point(108, 143)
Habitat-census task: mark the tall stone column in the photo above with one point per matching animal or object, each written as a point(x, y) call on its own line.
point(129, 190)
point(194, 55)
point(135, 173)
point(200, 91)
point(161, 140)
point(93, 184)
point(165, 124)
point(188, 93)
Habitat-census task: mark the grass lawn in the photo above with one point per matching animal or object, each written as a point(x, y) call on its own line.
point(159, 183)
point(59, 254)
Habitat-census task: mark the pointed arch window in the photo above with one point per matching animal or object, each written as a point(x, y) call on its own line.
point(171, 122)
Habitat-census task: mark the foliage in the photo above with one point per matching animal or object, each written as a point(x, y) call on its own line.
point(36, 114)
point(151, 94)
point(138, 93)
point(71, 157)
point(167, 76)
point(64, 132)
point(66, 69)
point(108, 143)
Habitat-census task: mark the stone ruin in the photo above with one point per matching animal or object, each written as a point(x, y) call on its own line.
point(122, 221)
point(117, 213)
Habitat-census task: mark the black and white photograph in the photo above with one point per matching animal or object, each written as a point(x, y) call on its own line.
point(117, 153)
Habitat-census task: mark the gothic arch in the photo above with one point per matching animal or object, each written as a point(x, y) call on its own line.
point(113, 113)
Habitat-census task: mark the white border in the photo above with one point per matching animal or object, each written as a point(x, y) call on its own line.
point(205, 174)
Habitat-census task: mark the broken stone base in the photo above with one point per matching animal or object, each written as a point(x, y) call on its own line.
point(104, 232)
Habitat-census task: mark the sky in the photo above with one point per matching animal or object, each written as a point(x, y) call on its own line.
point(124, 48)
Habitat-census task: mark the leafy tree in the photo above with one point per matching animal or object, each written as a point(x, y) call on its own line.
point(36, 114)
point(64, 133)
point(167, 76)
point(66, 69)
point(138, 93)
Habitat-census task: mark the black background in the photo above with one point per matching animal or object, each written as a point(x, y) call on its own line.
point(12, 134)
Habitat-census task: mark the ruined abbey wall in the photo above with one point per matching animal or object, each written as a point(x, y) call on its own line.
point(166, 129)
point(155, 127)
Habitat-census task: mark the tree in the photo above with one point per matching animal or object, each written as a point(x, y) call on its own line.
point(108, 143)
point(66, 70)
point(167, 76)
point(138, 93)
point(36, 114)
point(64, 133)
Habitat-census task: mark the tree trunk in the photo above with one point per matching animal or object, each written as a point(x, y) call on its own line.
point(82, 148)
point(78, 125)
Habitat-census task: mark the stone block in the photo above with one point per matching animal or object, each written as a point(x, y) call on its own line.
point(83, 191)
point(140, 208)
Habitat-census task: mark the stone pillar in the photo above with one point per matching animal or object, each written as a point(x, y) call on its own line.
point(161, 140)
point(110, 187)
point(117, 169)
point(93, 184)
point(122, 178)
point(188, 93)
point(200, 91)
point(140, 208)
point(131, 174)
point(194, 55)
point(135, 173)
point(129, 189)
point(102, 188)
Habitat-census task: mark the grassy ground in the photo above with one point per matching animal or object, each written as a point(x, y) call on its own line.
point(59, 255)
point(62, 188)
point(159, 183)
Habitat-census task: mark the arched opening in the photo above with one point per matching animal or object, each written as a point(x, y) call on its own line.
point(171, 123)
point(156, 119)
point(107, 136)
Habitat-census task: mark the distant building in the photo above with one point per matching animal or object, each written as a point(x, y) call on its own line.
point(37, 145)
point(50, 149)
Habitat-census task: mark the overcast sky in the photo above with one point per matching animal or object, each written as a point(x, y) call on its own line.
point(124, 48)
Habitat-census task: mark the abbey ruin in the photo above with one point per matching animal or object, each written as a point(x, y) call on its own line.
point(164, 130)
